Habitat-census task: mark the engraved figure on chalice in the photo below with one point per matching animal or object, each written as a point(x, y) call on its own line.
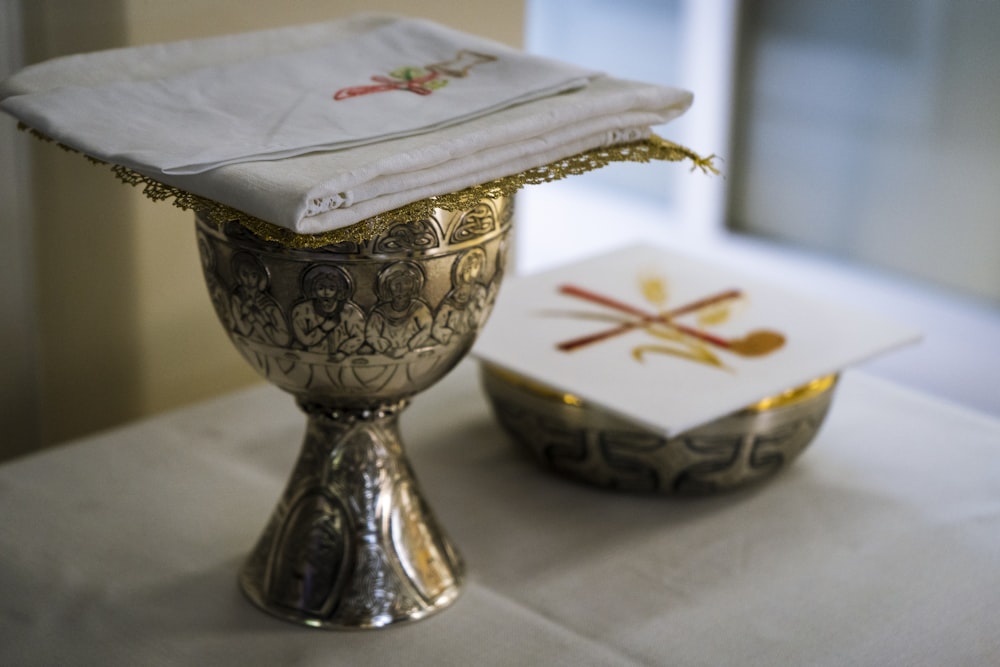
point(401, 321)
point(464, 307)
point(310, 556)
point(327, 320)
point(256, 316)
point(255, 313)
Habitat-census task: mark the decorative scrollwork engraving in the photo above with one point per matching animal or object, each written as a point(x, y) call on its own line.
point(627, 455)
point(607, 451)
point(478, 221)
point(414, 235)
point(344, 248)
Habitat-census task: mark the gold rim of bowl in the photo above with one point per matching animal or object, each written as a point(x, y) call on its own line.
point(789, 397)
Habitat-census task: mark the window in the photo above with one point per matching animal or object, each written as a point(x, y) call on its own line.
point(870, 130)
point(864, 130)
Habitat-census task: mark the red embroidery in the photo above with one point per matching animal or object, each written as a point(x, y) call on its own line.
point(415, 84)
point(419, 80)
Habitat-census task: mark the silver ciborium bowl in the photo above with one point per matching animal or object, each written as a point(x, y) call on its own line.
point(353, 331)
point(586, 443)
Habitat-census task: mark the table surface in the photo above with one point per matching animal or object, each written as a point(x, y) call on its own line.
point(880, 546)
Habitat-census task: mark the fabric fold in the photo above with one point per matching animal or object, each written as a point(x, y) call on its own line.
point(322, 126)
point(345, 187)
point(407, 77)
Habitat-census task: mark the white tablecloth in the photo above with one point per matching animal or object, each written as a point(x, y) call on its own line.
point(880, 546)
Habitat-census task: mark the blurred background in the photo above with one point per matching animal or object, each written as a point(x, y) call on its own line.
point(861, 157)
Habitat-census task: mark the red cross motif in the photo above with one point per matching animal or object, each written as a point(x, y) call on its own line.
point(419, 80)
point(756, 343)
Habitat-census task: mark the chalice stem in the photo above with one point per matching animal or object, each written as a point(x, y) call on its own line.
point(352, 543)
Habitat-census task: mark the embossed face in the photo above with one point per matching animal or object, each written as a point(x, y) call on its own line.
point(402, 288)
point(470, 267)
point(248, 277)
point(327, 296)
point(327, 286)
point(249, 273)
point(400, 283)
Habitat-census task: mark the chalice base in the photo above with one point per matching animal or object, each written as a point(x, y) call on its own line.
point(352, 543)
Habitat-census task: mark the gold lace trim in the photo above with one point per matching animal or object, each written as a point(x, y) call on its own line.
point(646, 150)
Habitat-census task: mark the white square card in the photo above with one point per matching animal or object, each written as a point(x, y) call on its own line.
point(670, 341)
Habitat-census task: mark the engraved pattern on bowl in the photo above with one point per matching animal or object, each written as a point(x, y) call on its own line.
point(591, 445)
point(416, 298)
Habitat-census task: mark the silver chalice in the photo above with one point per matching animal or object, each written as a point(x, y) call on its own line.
point(353, 331)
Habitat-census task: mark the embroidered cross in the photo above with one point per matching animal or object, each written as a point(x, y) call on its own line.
point(419, 80)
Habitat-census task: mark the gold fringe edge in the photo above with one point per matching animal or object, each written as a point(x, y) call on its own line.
point(646, 150)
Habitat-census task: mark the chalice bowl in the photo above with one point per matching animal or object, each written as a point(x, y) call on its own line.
point(354, 330)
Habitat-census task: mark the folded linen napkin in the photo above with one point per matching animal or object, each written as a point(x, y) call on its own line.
point(281, 105)
point(318, 127)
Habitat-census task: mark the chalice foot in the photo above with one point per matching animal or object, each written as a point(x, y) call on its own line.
point(352, 544)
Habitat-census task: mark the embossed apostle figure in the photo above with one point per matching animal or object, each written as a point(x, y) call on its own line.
point(400, 321)
point(463, 307)
point(256, 314)
point(327, 320)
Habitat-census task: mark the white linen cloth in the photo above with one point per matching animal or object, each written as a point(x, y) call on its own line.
point(252, 121)
point(879, 546)
point(283, 105)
